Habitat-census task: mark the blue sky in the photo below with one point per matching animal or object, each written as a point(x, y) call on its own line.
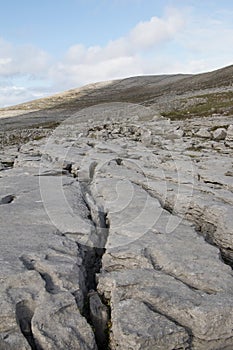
point(47, 46)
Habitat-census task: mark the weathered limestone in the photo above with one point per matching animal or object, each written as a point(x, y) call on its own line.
point(57, 324)
point(44, 287)
point(117, 233)
point(137, 326)
point(201, 315)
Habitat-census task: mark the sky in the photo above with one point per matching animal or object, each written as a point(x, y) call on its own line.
point(48, 46)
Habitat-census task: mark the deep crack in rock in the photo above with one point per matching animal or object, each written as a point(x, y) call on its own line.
point(24, 313)
point(96, 309)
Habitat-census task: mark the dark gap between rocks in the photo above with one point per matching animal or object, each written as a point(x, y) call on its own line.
point(227, 256)
point(96, 309)
point(24, 314)
point(7, 199)
point(8, 164)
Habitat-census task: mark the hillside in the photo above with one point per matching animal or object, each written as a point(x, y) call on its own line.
point(205, 93)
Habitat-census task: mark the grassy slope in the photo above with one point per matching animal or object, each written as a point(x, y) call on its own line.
point(179, 95)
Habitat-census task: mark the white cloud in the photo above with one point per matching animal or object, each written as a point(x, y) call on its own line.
point(180, 41)
point(26, 63)
point(208, 39)
point(67, 75)
point(11, 95)
point(144, 36)
point(20, 60)
point(148, 34)
point(119, 58)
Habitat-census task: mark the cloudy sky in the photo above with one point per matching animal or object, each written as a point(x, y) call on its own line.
point(48, 46)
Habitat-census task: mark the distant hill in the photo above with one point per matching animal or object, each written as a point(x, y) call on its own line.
point(176, 96)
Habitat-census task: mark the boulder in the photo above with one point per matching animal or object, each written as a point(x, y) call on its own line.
point(219, 134)
point(203, 133)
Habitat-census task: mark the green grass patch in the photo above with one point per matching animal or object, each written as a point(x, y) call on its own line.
point(204, 106)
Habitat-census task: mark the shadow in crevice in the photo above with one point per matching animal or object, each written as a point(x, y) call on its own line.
point(24, 313)
point(7, 199)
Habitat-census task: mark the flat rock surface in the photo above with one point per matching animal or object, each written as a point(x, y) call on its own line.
point(129, 205)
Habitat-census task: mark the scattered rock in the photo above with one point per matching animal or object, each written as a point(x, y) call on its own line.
point(219, 134)
point(203, 133)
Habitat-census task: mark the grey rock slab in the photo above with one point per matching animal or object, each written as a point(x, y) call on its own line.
point(57, 324)
point(13, 341)
point(130, 210)
point(31, 241)
point(191, 309)
point(27, 227)
point(20, 232)
point(136, 326)
point(18, 293)
point(180, 254)
point(201, 268)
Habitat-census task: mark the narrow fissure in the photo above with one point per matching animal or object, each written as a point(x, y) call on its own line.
point(227, 256)
point(24, 314)
point(96, 308)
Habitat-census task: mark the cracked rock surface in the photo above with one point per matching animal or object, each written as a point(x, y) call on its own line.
point(117, 234)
